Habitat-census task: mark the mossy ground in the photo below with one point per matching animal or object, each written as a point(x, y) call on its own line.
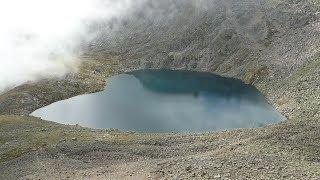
point(2, 141)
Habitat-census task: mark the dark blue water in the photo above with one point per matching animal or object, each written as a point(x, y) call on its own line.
point(166, 101)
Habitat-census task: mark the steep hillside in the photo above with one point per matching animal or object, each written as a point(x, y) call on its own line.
point(271, 44)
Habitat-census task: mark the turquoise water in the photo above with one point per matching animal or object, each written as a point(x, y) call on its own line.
point(166, 101)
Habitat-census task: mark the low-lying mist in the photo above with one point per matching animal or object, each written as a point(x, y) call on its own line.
point(41, 38)
point(46, 38)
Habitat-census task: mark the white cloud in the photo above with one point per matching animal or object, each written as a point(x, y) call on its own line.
point(39, 37)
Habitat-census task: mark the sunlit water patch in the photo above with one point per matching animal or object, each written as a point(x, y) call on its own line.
point(166, 101)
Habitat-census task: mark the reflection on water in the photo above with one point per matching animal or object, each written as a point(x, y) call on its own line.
point(166, 101)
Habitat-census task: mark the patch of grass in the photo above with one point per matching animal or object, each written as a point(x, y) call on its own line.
point(2, 141)
point(18, 152)
point(34, 134)
point(253, 75)
point(309, 67)
point(47, 139)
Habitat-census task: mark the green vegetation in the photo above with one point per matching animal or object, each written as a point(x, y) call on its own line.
point(15, 153)
point(309, 67)
point(2, 141)
point(254, 74)
point(31, 134)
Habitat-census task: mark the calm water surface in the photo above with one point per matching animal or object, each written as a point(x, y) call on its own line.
point(166, 101)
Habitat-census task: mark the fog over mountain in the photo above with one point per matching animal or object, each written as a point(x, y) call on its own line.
point(41, 38)
point(268, 43)
point(213, 35)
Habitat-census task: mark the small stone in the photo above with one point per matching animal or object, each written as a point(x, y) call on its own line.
point(217, 176)
point(285, 176)
point(74, 139)
point(188, 169)
point(96, 71)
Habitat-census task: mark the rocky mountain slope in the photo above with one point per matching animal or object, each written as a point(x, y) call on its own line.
point(272, 44)
point(269, 43)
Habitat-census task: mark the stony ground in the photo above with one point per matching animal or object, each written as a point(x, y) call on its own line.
point(273, 45)
point(35, 149)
